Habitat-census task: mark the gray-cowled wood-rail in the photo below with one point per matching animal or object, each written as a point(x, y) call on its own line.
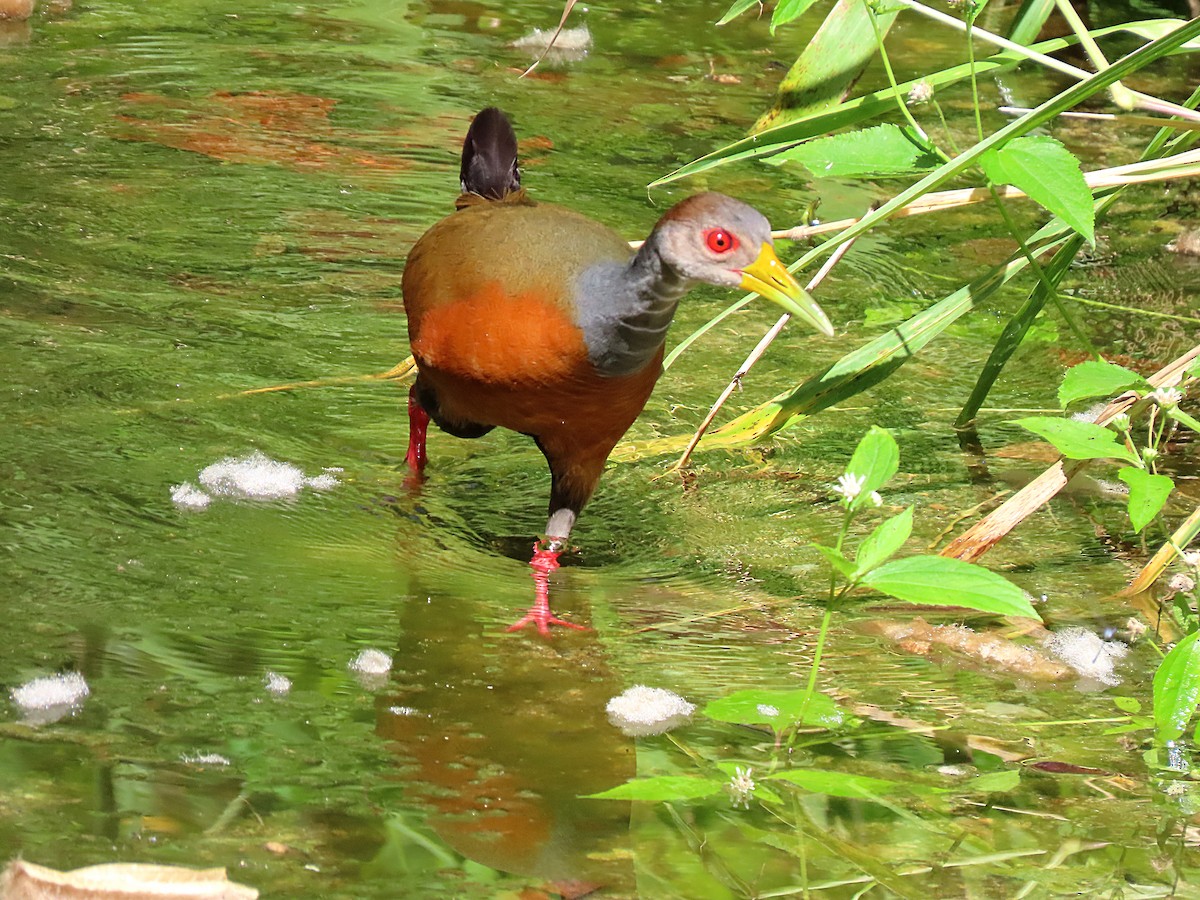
point(532, 317)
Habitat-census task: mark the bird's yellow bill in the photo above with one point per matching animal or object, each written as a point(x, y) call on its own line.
point(768, 277)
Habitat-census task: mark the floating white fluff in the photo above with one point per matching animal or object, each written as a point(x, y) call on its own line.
point(277, 684)
point(642, 711)
point(371, 662)
point(51, 692)
point(1088, 654)
point(190, 496)
point(371, 668)
point(571, 42)
point(252, 477)
point(204, 759)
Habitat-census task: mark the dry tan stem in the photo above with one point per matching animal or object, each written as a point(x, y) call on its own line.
point(984, 534)
point(398, 372)
point(557, 31)
point(754, 357)
point(1135, 173)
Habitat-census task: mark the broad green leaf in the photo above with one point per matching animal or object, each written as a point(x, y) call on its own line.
point(882, 151)
point(1147, 495)
point(1153, 29)
point(1078, 440)
point(837, 784)
point(821, 120)
point(994, 782)
point(1029, 19)
point(878, 546)
point(875, 461)
point(662, 787)
point(1096, 379)
point(779, 709)
point(1127, 704)
point(1049, 173)
point(941, 581)
point(1139, 723)
point(788, 11)
point(836, 559)
point(831, 61)
point(1177, 688)
point(739, 7)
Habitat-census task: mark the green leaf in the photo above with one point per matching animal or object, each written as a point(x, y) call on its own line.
point(875, 460)
point(836, 559)
point(788, 11)
point(994, 782)
point(1127, 704)
point(941, 581)
point(1096, 379)
point(737, 9)
point(1177, 688)
point(1049, 173)
point(662, 787)
point(1078, 440)
point(1183, 419)
point(1153, 29)
point(879, 152)
point(779, 709)
point(878, 546)
point(1139, 723)
point(1147, 494)
point(837, 784)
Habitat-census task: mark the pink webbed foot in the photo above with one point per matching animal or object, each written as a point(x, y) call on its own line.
point(545, 561)
point(418, 427)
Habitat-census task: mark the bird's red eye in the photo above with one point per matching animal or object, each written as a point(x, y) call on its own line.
point(719, 240)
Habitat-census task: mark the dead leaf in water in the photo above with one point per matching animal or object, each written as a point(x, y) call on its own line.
point(919, 637)
point(289, 129)
point(126, 881)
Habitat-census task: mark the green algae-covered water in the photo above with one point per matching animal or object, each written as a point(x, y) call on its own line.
point(203, 199)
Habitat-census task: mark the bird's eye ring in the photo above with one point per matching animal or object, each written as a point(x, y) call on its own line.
point(719, 240)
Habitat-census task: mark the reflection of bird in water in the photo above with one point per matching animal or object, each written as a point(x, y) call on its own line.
point(503, 740)
point(16, 9)
point(535, 318)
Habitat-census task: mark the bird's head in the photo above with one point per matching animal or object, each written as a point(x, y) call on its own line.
point(716, 239)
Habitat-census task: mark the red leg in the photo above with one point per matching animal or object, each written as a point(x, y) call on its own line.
point(543, 563)
point(418, 426)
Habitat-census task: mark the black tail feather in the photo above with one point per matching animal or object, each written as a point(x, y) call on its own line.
point(489, 157)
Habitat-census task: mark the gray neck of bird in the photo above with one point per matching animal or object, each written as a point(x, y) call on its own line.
point(626, 310)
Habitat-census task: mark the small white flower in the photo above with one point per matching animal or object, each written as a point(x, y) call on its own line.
point(922, 92)
point(765, 709)
point(876, 499)
point(849, 486)
point(1191, 559)
point(1149, 454)
point(1181, 584)
point(741, 786)
point(1135, 628)
point(1166, 397)
point(1120, 422)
